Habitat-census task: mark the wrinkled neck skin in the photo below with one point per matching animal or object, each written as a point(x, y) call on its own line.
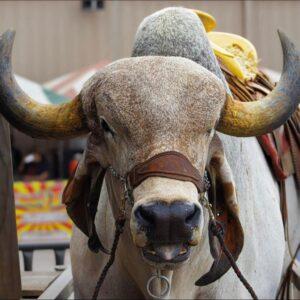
point(139, 271)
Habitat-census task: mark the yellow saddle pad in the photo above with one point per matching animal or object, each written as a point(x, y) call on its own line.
point(236, 53)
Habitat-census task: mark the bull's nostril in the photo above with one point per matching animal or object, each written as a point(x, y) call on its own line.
point(193, 215)
point(144, 215)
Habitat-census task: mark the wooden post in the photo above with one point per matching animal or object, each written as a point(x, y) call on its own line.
point(10, 281)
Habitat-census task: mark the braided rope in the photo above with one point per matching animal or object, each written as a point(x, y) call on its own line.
point(284, 286)
point(120, 222)
point(119, 229)
point(217, 232)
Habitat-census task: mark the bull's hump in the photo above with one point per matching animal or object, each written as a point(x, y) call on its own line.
point(176, 31)
point(157, 68)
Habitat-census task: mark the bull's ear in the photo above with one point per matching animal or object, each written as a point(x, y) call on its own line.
point(222, 196)
point(81, 197)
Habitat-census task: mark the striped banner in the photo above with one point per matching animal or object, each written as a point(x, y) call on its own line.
point(39, 212)
point(69, 85)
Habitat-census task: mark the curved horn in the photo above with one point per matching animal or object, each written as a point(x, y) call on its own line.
point(260, 117)
point(37, 120)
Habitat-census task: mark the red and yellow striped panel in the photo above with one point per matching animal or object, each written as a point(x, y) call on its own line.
point(39, 211)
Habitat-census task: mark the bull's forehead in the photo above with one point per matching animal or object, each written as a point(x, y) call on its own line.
point(157, 100)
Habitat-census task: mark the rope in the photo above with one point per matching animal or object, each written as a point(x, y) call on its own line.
point(284, 286)
point(217, 232)
point(119, 229)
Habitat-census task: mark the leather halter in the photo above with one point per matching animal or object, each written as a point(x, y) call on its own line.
point(82, 194)
point(170, 164)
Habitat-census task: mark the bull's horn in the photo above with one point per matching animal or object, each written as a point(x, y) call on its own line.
point(260, 117)
point(37, 120)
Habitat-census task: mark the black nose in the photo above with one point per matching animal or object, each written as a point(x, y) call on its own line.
point(168, 223)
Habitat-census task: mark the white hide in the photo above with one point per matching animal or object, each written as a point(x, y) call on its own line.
point(261, 260)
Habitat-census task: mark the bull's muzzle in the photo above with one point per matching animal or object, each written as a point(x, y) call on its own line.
point(161, 225)
point(167, 230)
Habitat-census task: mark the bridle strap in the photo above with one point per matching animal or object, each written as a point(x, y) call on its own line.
point(170, 164)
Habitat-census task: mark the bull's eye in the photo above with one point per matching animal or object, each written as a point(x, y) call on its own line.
point(106, 127)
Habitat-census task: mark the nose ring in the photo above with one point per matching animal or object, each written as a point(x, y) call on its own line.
point(166, 290)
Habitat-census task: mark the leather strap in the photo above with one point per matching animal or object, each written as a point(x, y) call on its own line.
point(169, 164)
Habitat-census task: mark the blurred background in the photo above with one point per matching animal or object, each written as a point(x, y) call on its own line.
point(56, 38)
point(58, 46)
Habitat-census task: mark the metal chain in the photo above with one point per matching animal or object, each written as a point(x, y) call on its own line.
point(127, 191)
point(116, 174)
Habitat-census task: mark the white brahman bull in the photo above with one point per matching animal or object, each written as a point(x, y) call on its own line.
point(170, 96)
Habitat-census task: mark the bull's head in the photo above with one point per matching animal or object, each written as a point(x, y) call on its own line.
point(137, 108)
